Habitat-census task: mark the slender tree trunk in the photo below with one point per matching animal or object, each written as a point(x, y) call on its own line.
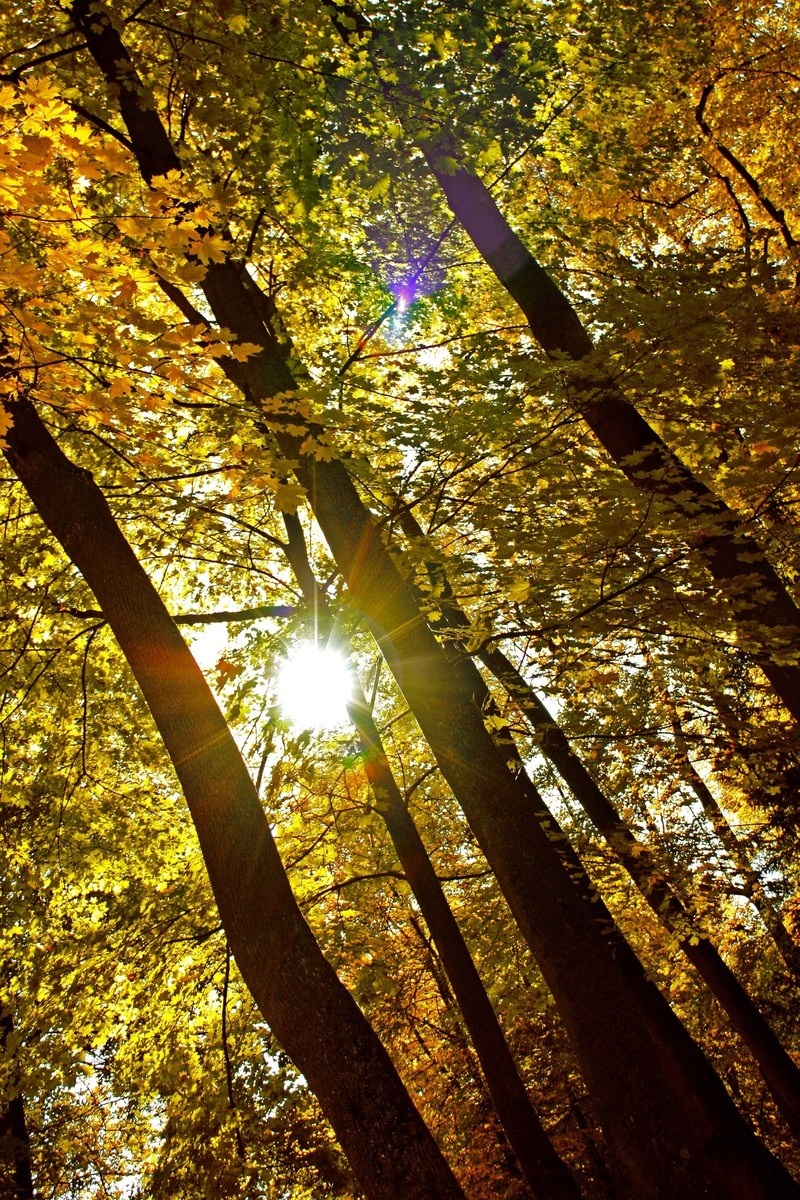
point(779, 1071)
point(547, 1175)
point(770, 626)
point(671, 1128)
point(16, 1174)
point(320, 1027)
point(753, 887)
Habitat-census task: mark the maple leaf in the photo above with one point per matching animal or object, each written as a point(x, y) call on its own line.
point(519, 589)
point(288, 497)
point(210, 247)
point(120, 386)
point(241, 351)
point(226, 671)
point(6, 421)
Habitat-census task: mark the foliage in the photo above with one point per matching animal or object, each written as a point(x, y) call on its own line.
point(612, 135)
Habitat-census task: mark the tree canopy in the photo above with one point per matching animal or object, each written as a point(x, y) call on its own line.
point(462, 340)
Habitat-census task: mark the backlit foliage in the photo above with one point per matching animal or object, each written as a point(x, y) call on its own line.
point(648, 155)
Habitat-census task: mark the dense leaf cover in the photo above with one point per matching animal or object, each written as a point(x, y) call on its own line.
point(647, 156)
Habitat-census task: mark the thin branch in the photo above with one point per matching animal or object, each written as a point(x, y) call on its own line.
point(456, 337)
point(181, 302)
point(373, 329)
point(100, 124)
point(777, 214)
point(85, 694)
point(15, 75)
point(262, 212)
point(242, 614)
point(658, 569)
point(345, 883)
point(222, 617)
point(240, 1146)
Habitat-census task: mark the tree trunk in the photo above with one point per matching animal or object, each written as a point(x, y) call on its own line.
point(548, 1176)
point(769, 627)
point(671, 1128)
point(320, 1027)
point(779, 1071)
point(16, 1174)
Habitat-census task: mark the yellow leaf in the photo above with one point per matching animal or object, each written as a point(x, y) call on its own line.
point(519, 589)
point(120, 386)
point(380, 188)
point(6, 421)
point(244, 350)
point(288, 496)
point(491, 155)
point(210, 248)
point(191, 272)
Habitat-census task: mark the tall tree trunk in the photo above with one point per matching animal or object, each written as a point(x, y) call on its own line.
point(671, 1127)
point(548, 1176)
point(314, 1018)
point(779, 1071)
point(16, 1173)
point(769, 627)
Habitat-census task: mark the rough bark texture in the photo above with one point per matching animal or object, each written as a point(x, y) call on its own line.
point(548, 1176)
point(769, 628)
point(671, 1128)
point(320, 1027)
point(779, 1071)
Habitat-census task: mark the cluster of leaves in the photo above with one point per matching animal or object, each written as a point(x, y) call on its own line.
point(142, 1063)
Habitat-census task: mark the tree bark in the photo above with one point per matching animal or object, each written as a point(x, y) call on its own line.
point(671, 1128)
point(320, 1027)
point(547, 1174)
point(780, 1072)
point(16, 1173)
point(770, 625)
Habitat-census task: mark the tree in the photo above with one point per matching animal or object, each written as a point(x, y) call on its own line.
point(734, 558)
point(267, 932)
point(245, 336)
point(543, 1169)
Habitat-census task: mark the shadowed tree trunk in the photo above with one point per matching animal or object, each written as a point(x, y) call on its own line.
point(779, 1071)
point(16, 1175)
point(670, 1126)
point(314, 1018)
point(547, 1175)
point(769, 626)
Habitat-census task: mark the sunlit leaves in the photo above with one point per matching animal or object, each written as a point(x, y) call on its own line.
point(294, 156)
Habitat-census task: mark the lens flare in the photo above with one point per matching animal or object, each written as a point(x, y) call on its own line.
point(313, 688)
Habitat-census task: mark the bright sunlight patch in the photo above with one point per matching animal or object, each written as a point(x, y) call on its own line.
point(314, 685)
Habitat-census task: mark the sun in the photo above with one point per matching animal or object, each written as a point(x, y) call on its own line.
point(313, 688)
